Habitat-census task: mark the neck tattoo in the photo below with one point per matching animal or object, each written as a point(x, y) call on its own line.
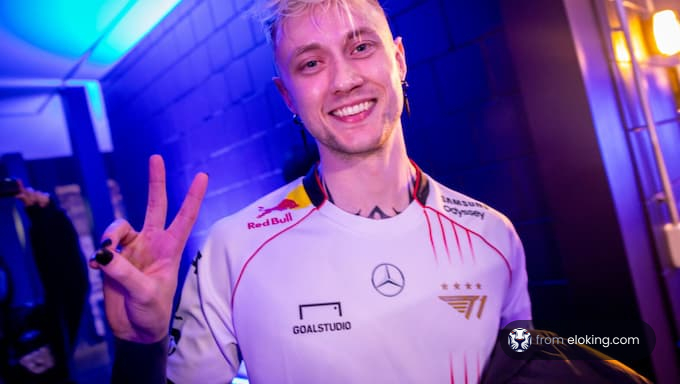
point(377, 213)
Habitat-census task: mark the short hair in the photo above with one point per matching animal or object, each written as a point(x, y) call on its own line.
point(272, 12)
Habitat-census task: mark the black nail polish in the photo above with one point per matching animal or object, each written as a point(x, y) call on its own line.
point(105, 243)
point(103, 256)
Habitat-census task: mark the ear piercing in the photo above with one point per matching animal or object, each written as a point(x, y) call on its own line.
point(407, 106)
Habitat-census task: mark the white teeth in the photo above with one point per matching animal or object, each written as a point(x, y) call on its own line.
point(352, 109)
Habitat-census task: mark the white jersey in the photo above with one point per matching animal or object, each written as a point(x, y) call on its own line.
point(309, 293)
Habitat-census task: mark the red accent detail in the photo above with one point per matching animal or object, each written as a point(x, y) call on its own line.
point(416, 185)
point(472, 249)
point(451, 368)
point(460, 251)
point(245, 265)
point(321, 188)
point(446, 244)
point(465, 365)
point(429, 228)
point(507, 264)
point(283, 205)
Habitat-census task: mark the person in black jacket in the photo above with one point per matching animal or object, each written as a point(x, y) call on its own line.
point(46, 353)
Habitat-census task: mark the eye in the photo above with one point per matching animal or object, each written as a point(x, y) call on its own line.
point(363, 48)
point(310, 66)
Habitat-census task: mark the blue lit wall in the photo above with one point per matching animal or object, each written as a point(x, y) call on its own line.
point(198, 90)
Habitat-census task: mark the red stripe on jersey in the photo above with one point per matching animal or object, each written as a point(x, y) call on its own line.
point(469, 231)
point(507, 263)
point(321, 188)
point(446, 244)
point(465, 365)
point(472, 248)
point(245, 265)
point(429, 229)
point(416, 185)
point(451, 368)
point(460, 251)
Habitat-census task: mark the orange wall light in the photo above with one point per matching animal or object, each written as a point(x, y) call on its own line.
point(666, 28)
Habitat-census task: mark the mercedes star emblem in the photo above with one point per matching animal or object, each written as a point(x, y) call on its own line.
point(388, 280)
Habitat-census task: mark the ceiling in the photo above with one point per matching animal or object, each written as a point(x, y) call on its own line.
point(71, 39)
point(48, 44)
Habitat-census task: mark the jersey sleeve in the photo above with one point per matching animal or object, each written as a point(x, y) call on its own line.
point(517, 305)
point(205, 349)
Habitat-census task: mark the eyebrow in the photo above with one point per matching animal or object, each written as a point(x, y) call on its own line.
point(306, 48)
point(354, 34)
point(350, 36)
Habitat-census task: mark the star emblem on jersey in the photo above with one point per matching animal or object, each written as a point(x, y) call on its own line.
point(388, 279)
point(466, 304)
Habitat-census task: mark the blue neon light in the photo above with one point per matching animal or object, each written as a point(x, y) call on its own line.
point(138, 21)
point(71, 27)
point(94, 95)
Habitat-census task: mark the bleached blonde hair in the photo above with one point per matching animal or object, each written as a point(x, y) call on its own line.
point(272, 12)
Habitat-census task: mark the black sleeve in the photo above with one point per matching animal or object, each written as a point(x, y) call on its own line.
point(140, 363)
point(56, 250)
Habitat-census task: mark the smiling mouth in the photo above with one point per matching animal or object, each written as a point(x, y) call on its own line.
point(352, 110)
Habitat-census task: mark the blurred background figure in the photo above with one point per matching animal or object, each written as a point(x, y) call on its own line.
point(39, 340)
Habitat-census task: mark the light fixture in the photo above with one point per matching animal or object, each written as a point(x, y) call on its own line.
point(666, 32)
point(666, 35)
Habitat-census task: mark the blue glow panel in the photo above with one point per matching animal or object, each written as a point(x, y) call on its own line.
point(138, 21)
point(70, 28)
point(95, 97)
point(65, 27)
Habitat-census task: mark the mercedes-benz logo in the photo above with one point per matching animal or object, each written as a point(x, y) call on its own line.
point(388, 280)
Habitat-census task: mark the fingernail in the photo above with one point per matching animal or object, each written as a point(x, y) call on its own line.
point(102, 256)
point(105, 243)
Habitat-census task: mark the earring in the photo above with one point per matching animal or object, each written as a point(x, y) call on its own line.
point(407, 106)
point(297, 121)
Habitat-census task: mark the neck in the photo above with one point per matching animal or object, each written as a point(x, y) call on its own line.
point(376, 186)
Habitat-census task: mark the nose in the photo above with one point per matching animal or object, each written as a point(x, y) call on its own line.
point(346, 77)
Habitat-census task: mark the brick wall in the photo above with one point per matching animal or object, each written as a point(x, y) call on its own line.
point(198, 90)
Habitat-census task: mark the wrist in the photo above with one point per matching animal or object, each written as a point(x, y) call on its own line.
point(141, 337)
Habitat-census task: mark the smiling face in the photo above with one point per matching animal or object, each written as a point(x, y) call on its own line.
point(342, 72)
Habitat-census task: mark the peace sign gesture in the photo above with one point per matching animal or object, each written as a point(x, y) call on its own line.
point(140, 268)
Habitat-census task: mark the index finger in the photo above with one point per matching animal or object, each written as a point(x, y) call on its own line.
point(157, 205)
point(186, 217)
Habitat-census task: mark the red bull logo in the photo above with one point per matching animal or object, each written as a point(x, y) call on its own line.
point(284, 205)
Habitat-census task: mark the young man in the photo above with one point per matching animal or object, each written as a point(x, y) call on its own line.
point(365, 270)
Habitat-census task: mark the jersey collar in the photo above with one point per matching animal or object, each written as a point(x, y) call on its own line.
point(317, 193)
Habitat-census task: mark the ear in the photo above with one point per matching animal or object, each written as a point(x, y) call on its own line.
point(400, 56)
point(284, 93)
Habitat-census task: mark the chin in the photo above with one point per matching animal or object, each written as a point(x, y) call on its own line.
point(357, 149)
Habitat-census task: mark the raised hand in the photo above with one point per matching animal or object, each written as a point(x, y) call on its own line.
point(140, 268)
point(30, 196)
